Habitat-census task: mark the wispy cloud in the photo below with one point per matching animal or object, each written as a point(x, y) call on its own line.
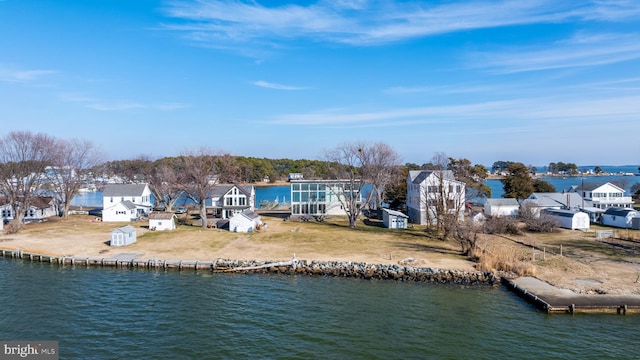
point(270, 85)
point(8, 74)
point(579, 51)
point(118, 105)
point(543, 112)
point(220, 23)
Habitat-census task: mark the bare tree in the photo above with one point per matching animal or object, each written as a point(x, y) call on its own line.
point(165, 185)
point(379, 168)
point(358, 164)
point(345, 163)
point(73, 160)
point(24, 157)
point(200, 174)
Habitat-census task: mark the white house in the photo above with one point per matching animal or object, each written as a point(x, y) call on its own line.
point(394, 219)
point(569, 219)
point(229, 200)
point(604, 196)
point(320, 197)
point(162, 221)
point(428, 189)
point(41, 207)
point(246, 221)
point(619, 217)
point(501, 207)
point(122, 236)
point(117, 200)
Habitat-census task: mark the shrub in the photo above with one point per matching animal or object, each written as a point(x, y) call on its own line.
point(13, 227)
point(501, 225)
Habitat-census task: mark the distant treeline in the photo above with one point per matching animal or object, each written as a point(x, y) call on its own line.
point(238, 168)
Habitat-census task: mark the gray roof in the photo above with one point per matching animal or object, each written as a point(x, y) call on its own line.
point(418, 176)
point(618, 211)
point(590, 186)
point(562, 213)
point(395, 213)
point(220, 190)
point(161, 216)
point(559, 199)
point(128, 204)
point(251, 215)
point(113, 190)
point(125, 229)
point(502, 202)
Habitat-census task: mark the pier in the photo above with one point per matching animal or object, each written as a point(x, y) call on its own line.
point(551, 299)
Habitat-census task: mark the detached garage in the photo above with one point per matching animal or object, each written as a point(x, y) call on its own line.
point(569, 219)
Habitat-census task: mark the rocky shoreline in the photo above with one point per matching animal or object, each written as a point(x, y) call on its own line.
point(358, 270)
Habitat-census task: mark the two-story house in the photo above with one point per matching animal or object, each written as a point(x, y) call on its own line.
point(322, 197)
point(429, 191)
point(603, 196)
point(126, 202)
point(229, 200)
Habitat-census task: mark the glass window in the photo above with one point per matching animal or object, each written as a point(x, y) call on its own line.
point(295, 186)
point(296, 196)
point(304, 187)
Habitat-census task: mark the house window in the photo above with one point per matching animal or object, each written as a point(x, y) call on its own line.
point(242, 201)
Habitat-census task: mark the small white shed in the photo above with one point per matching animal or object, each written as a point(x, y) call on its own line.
point(570, 219)
point(619, 217)
point(394, 219)
point(246, 221)
point(122, 236)
point(162, 221)
point(501, 207)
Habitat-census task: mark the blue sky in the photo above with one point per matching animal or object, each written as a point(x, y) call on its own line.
point(533, 81)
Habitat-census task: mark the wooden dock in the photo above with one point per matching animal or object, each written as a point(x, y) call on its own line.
point(550, 299)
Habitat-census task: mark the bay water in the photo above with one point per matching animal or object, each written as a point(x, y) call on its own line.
point(111, 313)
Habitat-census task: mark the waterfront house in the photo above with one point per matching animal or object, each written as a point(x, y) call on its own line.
point(162, 221)
point(123, 236)
point(246, 221)
point(229, 200)
point(619, 217)
point(501, 207)
point(394, 219)
point(429, 190)
point(603, 196)
point(117, 200)
point(321, 197)
point(569, 219)
point(41, 208)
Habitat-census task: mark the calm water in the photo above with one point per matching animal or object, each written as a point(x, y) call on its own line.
point(98, 313)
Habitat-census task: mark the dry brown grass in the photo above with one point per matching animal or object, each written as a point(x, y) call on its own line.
point(510, 259)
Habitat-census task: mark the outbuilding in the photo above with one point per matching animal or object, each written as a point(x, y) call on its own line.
point(619, 217)
point(162, 221)
point(569, 219)
point(501, 207)
point(246, 221)
point(122, 236)
point(394, 219)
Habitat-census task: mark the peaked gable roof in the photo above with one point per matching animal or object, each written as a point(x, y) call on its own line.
point(418, 176)
point(221, 190)
point(127, 229)
point(113, 190)
point(590, 186)
point(502, 202)
point(569, 199)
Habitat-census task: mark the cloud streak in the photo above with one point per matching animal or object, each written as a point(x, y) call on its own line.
point(270, 85)
point(22, 76)
point(219, 23)
point(119, 105)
